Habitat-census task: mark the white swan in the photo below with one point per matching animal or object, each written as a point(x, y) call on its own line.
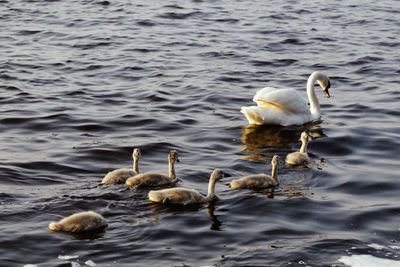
point(79, 222)
point(258, 181)
point(183, 196)
point(120, 175)
point(286, 106)
point(156, 179)
point(300, 157)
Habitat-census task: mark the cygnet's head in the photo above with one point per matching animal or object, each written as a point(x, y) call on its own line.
point(324, 82)
point(217, 174)
point(275, 160)
point(304, 137)
point(136, 153)
point(55, 226)
point(173, 156)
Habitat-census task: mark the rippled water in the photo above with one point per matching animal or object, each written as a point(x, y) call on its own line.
point(84, 82)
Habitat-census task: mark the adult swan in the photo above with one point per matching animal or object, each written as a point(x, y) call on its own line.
point(286, 106)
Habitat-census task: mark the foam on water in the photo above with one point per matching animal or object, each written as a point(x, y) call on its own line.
point(367, 261)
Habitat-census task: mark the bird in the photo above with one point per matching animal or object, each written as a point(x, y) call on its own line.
point(258, 181)
point(79, 222)
point(120, 175)
point(184, 196)
point(156, 179)
point(286, 106)
point(299, 158)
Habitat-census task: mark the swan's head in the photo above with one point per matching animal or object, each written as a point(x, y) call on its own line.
point(173, 156)
point(324, 82)
point(275, 160)
point(136, 153)
point(217, 175)
point(304, 137)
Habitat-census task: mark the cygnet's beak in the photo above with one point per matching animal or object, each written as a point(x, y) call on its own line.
point(177, 160)
point(226, 175)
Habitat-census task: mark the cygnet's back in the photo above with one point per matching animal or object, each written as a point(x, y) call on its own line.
point(258, 181)
point(120, 175)
point(79, 222)
point(184, 196)
point(299, 158)
point(177, 195)
point(156, 179)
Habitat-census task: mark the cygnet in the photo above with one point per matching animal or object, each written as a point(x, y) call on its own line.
point(299, 158)
point(79, 222)
point(156, 179)
point(258, 181)
point(120, 175)
point(183, 196)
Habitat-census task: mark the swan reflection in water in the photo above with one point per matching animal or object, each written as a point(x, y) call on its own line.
point(259, 137)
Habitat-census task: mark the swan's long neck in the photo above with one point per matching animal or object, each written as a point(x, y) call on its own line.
point(274, 172)
point(172, 174)
point(303, 148)
point(211, 187)
point(136, 164)
point(314, 104)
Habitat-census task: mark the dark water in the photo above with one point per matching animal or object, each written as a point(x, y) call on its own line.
point(84, 82)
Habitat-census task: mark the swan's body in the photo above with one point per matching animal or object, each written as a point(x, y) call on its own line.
point(79, 222)
point(300, 157)
point(183, 196)
point(120, 175)
point(156, 179)
point(258, 181)
point(286, 106)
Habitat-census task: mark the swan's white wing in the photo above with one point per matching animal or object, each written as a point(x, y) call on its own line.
point(264, 91)
point(286, 100)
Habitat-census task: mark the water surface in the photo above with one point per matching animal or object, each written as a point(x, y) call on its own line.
point(84, 82)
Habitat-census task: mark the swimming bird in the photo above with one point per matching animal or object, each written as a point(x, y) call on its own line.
point(156, 179)
point(183, 196)
point(258, 181)
point(286, 106)
point(120, 175)
point(79, 222)
point(300, 157)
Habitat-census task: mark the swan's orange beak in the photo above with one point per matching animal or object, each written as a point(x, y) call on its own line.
point(327, 93)
point(326, 89)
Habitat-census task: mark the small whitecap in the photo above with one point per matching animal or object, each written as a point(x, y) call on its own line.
point(90, 263)
point(376, 246)
point(67, 257)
